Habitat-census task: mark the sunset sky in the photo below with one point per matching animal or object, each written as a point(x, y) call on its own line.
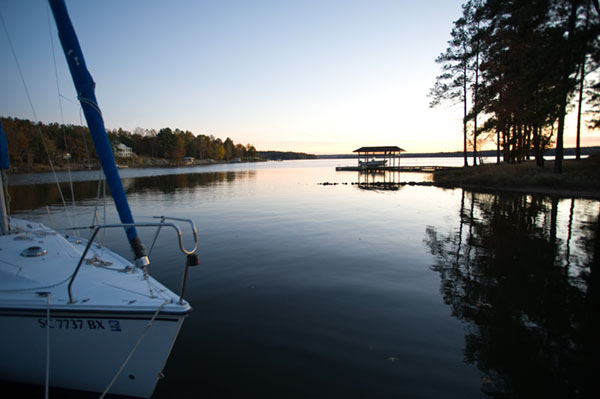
point(319, 76)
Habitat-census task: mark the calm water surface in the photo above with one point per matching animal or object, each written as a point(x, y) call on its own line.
point(308, 290)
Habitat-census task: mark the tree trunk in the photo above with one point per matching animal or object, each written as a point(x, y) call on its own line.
point(564, 88)
point(538, 146)
point(475, 105)
point(475, 140)
point(497, 146)
point(465, 114)
point(581, 81)
point(558, 156)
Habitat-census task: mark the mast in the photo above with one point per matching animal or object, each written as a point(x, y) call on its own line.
point(4, 164)
point(85, 87)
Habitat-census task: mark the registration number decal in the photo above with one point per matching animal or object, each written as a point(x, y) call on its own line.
point(79, 324)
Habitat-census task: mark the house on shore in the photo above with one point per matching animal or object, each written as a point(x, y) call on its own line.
point(122, 151)
point(188, 160)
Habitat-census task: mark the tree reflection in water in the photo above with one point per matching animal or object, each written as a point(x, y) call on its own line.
point(33, 196)
point(525, 283)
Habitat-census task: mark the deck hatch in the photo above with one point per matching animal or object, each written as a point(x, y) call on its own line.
point(33, 251)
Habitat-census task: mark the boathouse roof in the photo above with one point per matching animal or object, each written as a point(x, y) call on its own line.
point(391, 148)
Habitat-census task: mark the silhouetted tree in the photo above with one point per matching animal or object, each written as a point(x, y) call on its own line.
point(518, 75)
point(522, 59)
point(594, 102)
point(460, 65)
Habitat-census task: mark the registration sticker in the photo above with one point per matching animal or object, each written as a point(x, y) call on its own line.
point(80, 324)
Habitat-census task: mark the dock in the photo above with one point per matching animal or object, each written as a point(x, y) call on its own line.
point(375, 169)
point(384, 159)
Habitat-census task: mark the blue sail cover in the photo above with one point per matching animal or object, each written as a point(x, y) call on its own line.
point(85, 86)
point(4, 158)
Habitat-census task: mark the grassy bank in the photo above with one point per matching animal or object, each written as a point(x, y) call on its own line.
point(579, 178)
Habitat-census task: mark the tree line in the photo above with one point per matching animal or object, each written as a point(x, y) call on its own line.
point(38, 143)
point(518, 67)
point(285, 155)
point(176, 144)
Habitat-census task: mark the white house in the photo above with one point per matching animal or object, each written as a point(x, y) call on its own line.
point(122, 151)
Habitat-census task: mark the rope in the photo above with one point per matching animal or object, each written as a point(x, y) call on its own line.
point(95, 218)
point(50, 217)
point(47, 381)
point(146, 277)
point(91, 104)
point(95, 213)
point(146, 329)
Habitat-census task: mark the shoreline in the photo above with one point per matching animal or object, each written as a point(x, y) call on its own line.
point(580, 178)
point(79, 167)
point(543, 191)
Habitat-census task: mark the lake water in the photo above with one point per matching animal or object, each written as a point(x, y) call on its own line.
point(318, 291)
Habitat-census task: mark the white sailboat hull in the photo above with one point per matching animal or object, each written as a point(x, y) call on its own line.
point(74, 314)
point(117, 315)
point(87, 350)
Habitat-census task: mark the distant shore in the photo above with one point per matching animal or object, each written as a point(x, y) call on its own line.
point(459, 154)
point(580, 178)
point(125, 163)
point(139, 161)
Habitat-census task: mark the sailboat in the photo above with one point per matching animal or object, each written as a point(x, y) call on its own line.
point(74, 314)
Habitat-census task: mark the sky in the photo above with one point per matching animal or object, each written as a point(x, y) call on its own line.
point(322, 76)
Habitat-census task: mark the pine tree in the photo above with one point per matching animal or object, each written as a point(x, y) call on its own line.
point(460, 65)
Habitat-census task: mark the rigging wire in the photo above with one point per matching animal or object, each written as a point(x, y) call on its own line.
point(39, 129)
point(60, 107)
point(95, 218)
point(100, 176)
point(87, 150)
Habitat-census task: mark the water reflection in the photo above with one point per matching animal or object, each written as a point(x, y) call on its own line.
point(522, 273)
point(172, 183)
point(379, 180)
point(26, 197)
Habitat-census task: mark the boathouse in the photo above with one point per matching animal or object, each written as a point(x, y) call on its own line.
point(379, 157)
